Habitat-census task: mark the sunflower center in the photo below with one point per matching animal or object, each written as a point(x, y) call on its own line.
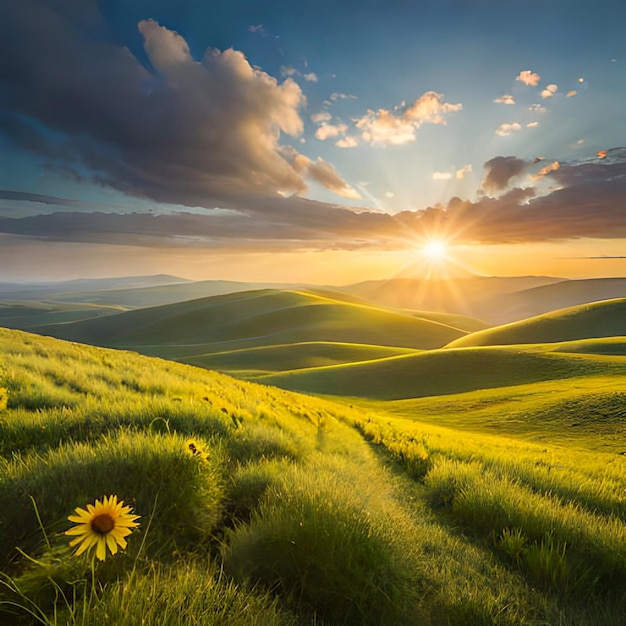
point(103, 523)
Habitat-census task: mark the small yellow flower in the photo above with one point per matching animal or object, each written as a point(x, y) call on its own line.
point(104, 524)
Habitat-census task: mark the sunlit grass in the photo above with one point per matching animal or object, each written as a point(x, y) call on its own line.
point(292, 509)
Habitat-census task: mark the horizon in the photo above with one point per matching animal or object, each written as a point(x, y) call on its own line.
point(316, 144)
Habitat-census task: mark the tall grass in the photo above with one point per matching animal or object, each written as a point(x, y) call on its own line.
point(297, 511)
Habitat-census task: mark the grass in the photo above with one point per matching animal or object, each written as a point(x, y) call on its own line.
point(299, 510)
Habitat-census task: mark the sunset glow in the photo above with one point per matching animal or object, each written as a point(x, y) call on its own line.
point(217, 141)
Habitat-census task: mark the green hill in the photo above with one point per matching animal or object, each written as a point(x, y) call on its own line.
point(442, 372)
point(258, 506)
point(538, 300)
point(25, 314)
point(258, 318)
point(587, 321)
point(258, 361)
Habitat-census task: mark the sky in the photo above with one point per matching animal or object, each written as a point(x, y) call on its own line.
point(311, 141)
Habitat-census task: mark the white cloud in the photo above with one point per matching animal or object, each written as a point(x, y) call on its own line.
point(537, 108)
point(400, 126)
point(442, 175)
point(256, 29)
point(580, 142)
point(330, 130)
point(347, 142)
point(571, 94)
point(528, 78)
point(466, 169)
point(310, 77)
point(505, 99)
point(532, 124)
point(287, 70)
point(341, 96)
point(549, 91)
point(504, 130)
point(322, 116)
point(390, 194)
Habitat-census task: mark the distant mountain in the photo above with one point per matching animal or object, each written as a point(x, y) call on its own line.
point(585, 321)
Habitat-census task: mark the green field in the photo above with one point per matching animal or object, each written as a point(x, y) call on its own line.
point(445, 510)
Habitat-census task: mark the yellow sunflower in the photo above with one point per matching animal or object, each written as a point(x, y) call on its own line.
point(104, 524)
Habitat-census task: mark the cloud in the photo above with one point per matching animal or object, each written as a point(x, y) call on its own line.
point(347, 142)
point(460, 173)
point(549, 91)
point(442, 175)
point(532, 124)
point(587, 202)
point(544, 171)
point(310, 77)
point(255, 29)
point(400, 126)
point(505, 99)
point(500, 171)
point(330, 130)
point(322, 116)
point(571, 94)
point(537, 108)
point(287, 70)
point(504, 130)
point(341, 96)
point(528, 78)
point(193, 132)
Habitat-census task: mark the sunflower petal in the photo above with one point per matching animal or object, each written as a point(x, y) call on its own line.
point(111, 543)
point(101, 550)
point(83, 529)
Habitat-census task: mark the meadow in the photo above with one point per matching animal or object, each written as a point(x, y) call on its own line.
point(262, 506)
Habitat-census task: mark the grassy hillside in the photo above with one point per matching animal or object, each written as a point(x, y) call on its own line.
point(258, 361)
point(442, 372)
point(259, 506)
point(259, 318)
point(586, 321)
point(25, 314)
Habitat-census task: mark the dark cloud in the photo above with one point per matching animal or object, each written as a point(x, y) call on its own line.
point(501, 171)
point(179, 130)
point(589, 202)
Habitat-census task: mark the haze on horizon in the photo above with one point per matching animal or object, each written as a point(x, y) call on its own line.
point(318, 143)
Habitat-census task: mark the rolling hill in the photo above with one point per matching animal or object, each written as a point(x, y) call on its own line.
point(444, 372)
point(259, 506)
point(535, 301)
point(258, 318)
point(586, 321)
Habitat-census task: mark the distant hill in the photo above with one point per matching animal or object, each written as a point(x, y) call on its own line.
point(23, 314)
point(545, 298)
point(79, 290)
point(475, 296)
point(257, 318)
point(585, 321)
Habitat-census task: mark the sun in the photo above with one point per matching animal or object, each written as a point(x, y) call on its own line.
point(435, 250)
